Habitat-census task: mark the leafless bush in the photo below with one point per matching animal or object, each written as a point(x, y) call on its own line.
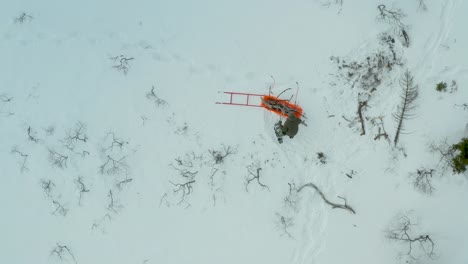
point(59, 208)
point(32, 135)
point(24, 159)
point(50, 130)
point(464, 106)
point(344, 206)
point(57, 159)
point(5, 100)
point(114, 159)
point(113, 142)
point(219, 156)
point(405, 109)
point(75, 135)
point(368, 73)
point(122, 63)
point(123, 182)
point(422, 5)
point(422, 180)
point(63, 253)
point(252, 177)
point(446, 154)
point(322, 158)
point(329, 3)
point(284, 223)
point(183, 190)
point(113, 206)
point(185, 166)
point(292, 199)
point(152, 96)
point(418, 246)
point(22, 18)
point(113, 166)
point(81, 188)
point(48, 187)
point(393, 17)
point(379, 123)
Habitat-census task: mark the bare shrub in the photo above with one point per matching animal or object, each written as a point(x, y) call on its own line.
point(63, 253)
point(152, 96)
point(114, 166)
point(57, 159)
point(4, 101)
point(219, 155)
point(283, 224)
point(292, 199)
point(32, 135)
point(59, 208)
point(122, 63)
point(422, 5)
point(422, 180)
point(48, 187)
point(22, 18)
point(112, 205)
point(81, 188)
point(75, 135)
point(182, 191)
point(393, 17)
point(415, 247)
point(24, 159)
point(252, 177)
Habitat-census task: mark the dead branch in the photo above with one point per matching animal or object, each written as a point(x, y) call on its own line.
point(254, 177)
point(361, 105)
point(333, 205)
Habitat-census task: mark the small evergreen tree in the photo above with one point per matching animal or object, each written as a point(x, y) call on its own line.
point(441, 87)
point(460, 161)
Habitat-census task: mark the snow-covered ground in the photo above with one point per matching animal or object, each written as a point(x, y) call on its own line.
point(109, 132)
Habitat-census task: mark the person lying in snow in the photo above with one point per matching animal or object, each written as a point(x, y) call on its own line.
point(290, 127)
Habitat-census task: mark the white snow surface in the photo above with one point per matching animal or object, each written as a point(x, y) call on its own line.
point(57, 71)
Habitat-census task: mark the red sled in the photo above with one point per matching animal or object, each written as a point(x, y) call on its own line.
point(271, 103)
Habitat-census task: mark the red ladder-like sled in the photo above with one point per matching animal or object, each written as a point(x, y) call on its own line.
point(271, 103)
